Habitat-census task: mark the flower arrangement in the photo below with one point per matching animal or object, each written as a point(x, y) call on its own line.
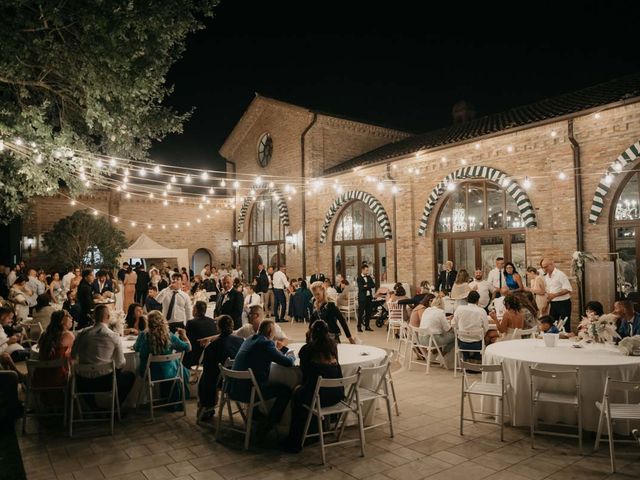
point(578, 261)
point(598, 329)
point(630, 345)
point(201, 296)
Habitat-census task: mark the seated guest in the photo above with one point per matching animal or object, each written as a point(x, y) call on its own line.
point(72, 307)
point(528, 308)
point(151, 303)
point(511, 319)
point(416, 313)
point(200, 326)
point(43, 310)
point(628, 320)
point(257, 353)
point(102, 285)
point(55, 343)
point(84, 297)
point(318, 358)
point(256, 316)
point(343, 294)
point(225, 346)
point(19, 297)
point(472, 324)
point(595, 309)
point(197, 284)
point(158, 340)
point(134, 321)
point(250, 298)
point(300, 303)
point(99, 344)
point(425, 288)
point(547, 324)
point(460, 288)
point(435, 322)
point(332, 293)
point(10, 348)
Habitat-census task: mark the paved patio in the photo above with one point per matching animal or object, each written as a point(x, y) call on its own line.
point(426, 445)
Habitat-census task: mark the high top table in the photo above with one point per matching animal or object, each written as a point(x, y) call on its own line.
point(596, 362)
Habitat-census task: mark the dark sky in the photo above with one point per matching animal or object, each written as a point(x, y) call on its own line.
point(390, 63)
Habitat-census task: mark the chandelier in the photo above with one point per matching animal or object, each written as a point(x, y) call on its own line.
point(458, 216)
point(627, 210)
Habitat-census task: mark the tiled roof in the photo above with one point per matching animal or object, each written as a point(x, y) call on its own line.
point(548, 109)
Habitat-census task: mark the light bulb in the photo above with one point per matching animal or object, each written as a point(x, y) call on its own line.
point(617, 166)
point(116, 219)
point(236, 184)
point(95, 212)
point(451, 186)
point(72, 202)
point(271, 185)
point(608, 179)
point(163, 227)
point(204, 176)
point(554, 134)
point(597, 116)
point(394, 189)
point(188, 179)
point(128, 195)
point(173, 179)
point(133, 224)
point(143, 172)
point(148, 226)
point(99, 163)
point(380, 186)
point(510, 149)
point(165, 202)
point(156, 169)
point(477, 146)
point(223, 183)
point(181, 200)
point(562, 176)
point(151, 195)
point(258, 180)
point(113, 162)
point(526, 183)
point(211, 191)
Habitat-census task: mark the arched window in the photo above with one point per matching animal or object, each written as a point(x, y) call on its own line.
point(477, 222)
point(266, 237)
point(625, 222)
point(200, 258)
point(358, 239)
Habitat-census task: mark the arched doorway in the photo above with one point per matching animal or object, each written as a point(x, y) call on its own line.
point(199, 259)
point(266, 237)
point(357, 239)
point(477, 222)
point(625, 232)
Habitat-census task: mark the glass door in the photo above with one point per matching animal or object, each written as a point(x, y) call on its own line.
point(351, 266)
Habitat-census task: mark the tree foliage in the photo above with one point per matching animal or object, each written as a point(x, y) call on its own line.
point(89, 76)
point(74, 237)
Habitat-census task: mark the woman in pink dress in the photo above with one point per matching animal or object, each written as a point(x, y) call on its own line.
point(130, 280)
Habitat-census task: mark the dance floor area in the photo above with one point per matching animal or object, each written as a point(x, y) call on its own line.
point(426, 444)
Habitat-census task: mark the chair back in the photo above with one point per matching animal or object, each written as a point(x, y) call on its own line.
point(165, 358)
point(467, 333)
point(337, 382)
point(520, 333)
point(380, 372)
point(93, 369)
point(395, 312)
point(33, 365)
point(551, 375)
point(482, 368)
point(621, 386)
point(227, 374)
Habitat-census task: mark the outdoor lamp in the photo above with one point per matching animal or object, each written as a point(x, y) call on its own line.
point(289, 238)
point(235, 244)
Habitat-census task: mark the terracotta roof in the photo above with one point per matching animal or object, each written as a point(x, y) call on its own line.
point(588, 98)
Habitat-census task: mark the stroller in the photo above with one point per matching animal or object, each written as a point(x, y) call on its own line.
point(380, 312)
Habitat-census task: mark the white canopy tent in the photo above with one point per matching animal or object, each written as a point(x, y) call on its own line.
point(146, 248)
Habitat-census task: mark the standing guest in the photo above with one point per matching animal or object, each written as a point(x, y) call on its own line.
point(343, 294)
point(176, 305)
point(447, 277)
point(418, 310)
point(185, 276)
point(75, 281)
point(301, 303)
point(317, 276)
point(225, 346)
point(366, 285)
point(142, 284)
point(538, 289)
point(102, 286)
point(222, 271)
point(435, 323)
point(36, 287)
point(269, 299)
point(256, 316)
point(528, 308)
point(483, 287)
point(158, 340)
point(262, 283)
point(56, 342)
point(151, 303)
point(99, 344)
point(200, 326)
point(250, 298)
point(84, 298)
point(42, 277)
point(280, 284)
point(123, 271)
point(19, 297)
point(56, 290)
point(512, 280)
point(328, 312)
point(628, 320)
point(130, 281)
point(472, 324)
point(234, 271)
point(230, 302)
point(43, 310)
point(134, 321)
point(511, 319)
point(558, 290)
point(318, 358)
point(461, 288)
point(258, 353)
point(496, 277)
point(240, 273)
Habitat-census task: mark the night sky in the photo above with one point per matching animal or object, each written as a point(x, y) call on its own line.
point(387, 63)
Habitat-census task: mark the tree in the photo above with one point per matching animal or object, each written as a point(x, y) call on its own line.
point(75, 239)
point(86, 76)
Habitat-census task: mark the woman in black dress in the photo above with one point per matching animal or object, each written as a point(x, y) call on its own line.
point(328, 311)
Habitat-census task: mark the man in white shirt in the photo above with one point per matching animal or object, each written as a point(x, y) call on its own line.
point(36, 287)
point(496, 277)
point(558, 292)
point(222, 271)
point(280, 282)
point(234, 272)
point(99, 344)
point(256, 315)
point(471, 323)
point(66, 279)
point(483, 287)
point(206, 272)
point(176, 304)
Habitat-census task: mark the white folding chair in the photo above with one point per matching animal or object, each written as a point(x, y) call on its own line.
point(520, 333)
point(177, 381)
point(396, 319)
point(549, 394)
point(195, 371)
point(32, 401)
point(379, 378)
point(610, 412)
point(350, 309)
point(427, 351)
point(392, 357)
point(93, 371)
point(486, 389)
point(350, 404)
point(33, 332)
point(457, 359)
point(245, 409)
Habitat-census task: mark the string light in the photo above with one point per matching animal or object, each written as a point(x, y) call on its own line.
point(72, 202)
point(258, 180)
point(526, 183)
point(617, 166)
point(142, 172)
point(211, 191)
point(133, 224)
point(204, 176)
point(554, 134)
point(597, 116)
point(271, 185)
point(128, 195)
point(39, 158)
point(95, 212)
point(188, 179)
point(113, 162)
point(148, 226)
point(236, 184)
point(99, 163)
point(394, 189)
point(181, 199)
point(1, 145)
point(608, 179)
point(223, 183)
point(380, 186)
point(510, 149)
point(163, 227)
point(116, 219)
point(451, 186)
point(173, 179)
point(165, 203)
point(562, 175)
point(477, 146)
point(156, 170)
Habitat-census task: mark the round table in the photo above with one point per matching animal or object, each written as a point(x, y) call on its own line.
point(596, 362)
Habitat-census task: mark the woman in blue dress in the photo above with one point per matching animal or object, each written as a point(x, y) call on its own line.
point(512, 279)
point(158, 340)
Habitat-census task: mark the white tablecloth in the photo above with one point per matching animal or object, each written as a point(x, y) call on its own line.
point(596, 362)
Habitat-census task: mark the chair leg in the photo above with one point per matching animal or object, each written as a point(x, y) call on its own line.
point(321, 433)
point(151, 401)
point(532, 423)
point(113, 409)
point(184, 398)
point(580, 426)
point(247, 435)
point(456, 358)
point(395, 399)
point(599, 431)
point(389, 414)
point(361, 428)
point(307, 424)
point(429, 359)
point(501, 403)
point(462, 413)
point(223, 400)
point(612, 452)
point(24, 415)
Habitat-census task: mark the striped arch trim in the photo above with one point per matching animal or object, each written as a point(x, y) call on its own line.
point(283, 211)
point(373, 203)
point(616, 167)
point(476, 171)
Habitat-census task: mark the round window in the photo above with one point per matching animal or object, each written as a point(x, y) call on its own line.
point(265, 149)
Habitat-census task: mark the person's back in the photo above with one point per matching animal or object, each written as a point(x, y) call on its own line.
point(96, 344)
point(472, 321)
point(197, 328)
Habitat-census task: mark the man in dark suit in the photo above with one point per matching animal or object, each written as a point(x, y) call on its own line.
point(447, 277)
point(317, 276)
point(628, 319)
point(198, 327)
point(142, 285)
point(102, 284)
point(231, 302)
point(151, 303)
point(366, 286)
point(84, 298)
